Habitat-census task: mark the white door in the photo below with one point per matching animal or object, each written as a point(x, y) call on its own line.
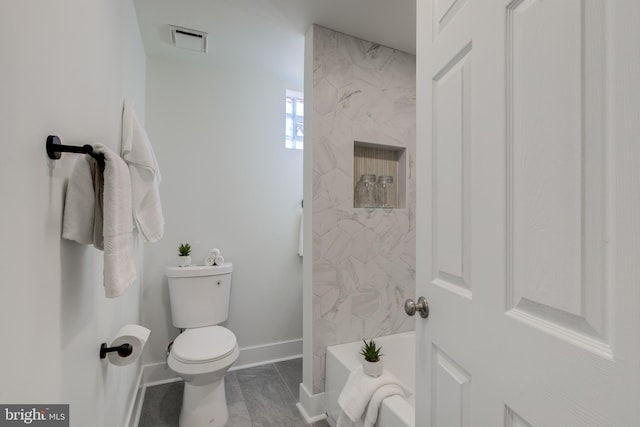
point(528, 213)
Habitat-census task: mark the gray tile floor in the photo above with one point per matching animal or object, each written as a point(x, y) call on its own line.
point(262, 396)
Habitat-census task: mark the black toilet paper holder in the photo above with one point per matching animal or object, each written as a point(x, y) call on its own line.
point(123, 350)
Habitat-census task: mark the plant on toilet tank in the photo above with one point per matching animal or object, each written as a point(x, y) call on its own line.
point(184, 255)
point(372, 363)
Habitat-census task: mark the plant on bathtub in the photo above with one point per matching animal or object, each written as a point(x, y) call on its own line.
point(184, 255)
point(372, 364)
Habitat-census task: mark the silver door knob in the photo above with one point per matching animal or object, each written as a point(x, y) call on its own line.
point(422, 307)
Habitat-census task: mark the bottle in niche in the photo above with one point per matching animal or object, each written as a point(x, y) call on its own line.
point(365, 191)
point(385, 194)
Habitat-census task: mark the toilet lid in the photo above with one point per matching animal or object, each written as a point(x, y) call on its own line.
point(202, 345)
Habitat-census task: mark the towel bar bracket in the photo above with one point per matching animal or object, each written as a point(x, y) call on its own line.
point(52, 141)
point(55, 148)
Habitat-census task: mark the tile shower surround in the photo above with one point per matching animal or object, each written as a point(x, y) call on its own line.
point(363, 259)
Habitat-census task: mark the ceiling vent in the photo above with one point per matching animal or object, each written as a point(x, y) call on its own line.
point(186, 38)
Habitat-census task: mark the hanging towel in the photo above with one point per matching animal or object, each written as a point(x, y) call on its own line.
point(80, 202)
point(97, 174)
point(119, 268)
point(359, 390)
point(300, 235)
point(145, 176)
point(82, 218)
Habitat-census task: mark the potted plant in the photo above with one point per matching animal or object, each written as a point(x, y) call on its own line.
point(372, 364)
point(184, 252)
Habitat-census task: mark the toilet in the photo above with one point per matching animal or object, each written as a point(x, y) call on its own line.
point(204, 351)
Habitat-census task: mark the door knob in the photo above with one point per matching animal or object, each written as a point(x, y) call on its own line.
point(422, 307)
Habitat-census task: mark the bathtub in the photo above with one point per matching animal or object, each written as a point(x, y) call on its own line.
point(399, 359)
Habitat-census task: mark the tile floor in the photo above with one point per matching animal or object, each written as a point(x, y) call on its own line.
point(262, 396)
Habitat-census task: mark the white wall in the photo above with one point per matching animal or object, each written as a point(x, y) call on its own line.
point(66, 67)
point(227, 182)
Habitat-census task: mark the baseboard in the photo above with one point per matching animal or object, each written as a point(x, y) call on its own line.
point(268, 353)
point(158, 373)
point(135, 407)
point(311, 406)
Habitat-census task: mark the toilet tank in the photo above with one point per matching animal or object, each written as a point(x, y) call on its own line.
point(199, 295)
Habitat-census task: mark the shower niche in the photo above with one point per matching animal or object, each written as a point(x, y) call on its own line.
point(389, 166)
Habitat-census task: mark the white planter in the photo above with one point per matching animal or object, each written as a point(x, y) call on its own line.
point(373, 369)
point(184, 261)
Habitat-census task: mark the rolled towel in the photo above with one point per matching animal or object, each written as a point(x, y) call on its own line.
point(215, 252)
point(219, 260)
point(209, 261)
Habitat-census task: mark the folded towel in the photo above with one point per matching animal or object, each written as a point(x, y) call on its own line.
point(359, 389)
point(80, 202)
point(219, 260)
point(373, 407)
point(344, 421)
point(377, 398)
point(145, 176)
point(119, 268)
point(215, 252)
point(209, 261)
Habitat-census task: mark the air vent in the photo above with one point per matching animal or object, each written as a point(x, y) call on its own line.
point(186, 38)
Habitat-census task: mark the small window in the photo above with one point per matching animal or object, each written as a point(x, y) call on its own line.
point(294, 121)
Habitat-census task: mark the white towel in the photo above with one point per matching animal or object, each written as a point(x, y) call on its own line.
point(80, 202)
point(377, 398)
point(344, 421)
point(373, 407)
point(145, 176)
point(359, 390)
point(119, 268)
point(300, 236)
point(215, 252)
point(219, 260)
point(209, 261)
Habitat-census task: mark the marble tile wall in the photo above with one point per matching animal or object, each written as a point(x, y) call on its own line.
point(363, 259)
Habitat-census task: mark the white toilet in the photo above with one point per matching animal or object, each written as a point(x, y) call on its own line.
point(204, 352)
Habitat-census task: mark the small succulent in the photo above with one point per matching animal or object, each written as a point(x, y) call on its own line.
point(184, 249)
point(370, 351)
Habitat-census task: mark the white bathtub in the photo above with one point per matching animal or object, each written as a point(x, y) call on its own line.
point(399, 359)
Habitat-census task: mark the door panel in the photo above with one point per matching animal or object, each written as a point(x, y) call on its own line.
point(450, 392)
point(528, 218)
point(445, 10)
point(451, 151)
point(556, 169)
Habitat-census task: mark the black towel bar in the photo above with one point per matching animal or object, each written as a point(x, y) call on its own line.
point(55, 148)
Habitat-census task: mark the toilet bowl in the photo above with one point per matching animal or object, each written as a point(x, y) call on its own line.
point(202, 356)
point(204, 351)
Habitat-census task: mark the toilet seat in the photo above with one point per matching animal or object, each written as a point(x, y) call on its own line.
point(203, 345)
